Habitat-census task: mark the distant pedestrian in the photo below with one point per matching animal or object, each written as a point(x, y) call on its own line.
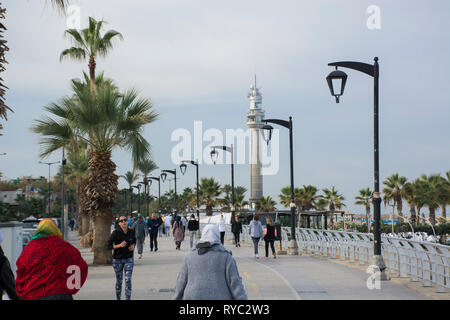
point(178, 232)
point(168, 224)
point(256, 232)
point(47, 265)
point(270, 236)
point(193, 227)
point(222, 229)
point(139, 231)
point(123, 241)
point(209, 271)
point(236, 228)
point(153, 227)
point(161, 225)
point(184, 221)
point(7, 281)
point(71, 224)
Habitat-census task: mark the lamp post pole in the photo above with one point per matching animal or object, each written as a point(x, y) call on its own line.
point(63, 227)
point(49, 185)
point(183, 170)
point(373, 71)
point(159, 191)
point(163, 177)
point(214, 154)
point(293, 247)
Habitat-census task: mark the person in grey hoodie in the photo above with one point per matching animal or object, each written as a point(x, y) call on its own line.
point(139, 230)
point(209, 271)
point(256, 232)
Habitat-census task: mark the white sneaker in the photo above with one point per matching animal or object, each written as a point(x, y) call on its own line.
point(256, 256)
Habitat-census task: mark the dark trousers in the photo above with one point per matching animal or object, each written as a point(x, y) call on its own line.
point(236, 237)
point(271, 245)
point(153, 241)
point(222, 236)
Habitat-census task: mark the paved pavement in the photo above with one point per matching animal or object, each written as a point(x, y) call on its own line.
point(285, 278)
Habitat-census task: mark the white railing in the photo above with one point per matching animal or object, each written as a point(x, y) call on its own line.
point(418, 260)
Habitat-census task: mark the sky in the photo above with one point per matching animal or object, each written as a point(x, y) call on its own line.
point(196, 60)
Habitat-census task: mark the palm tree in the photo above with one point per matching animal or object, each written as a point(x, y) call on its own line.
point(106, 120)
point(209, 190)
point(394, 186)
point(309, 197)
point(130, 177)
point(432, 188)
point(285, 198)
point(444, 197)
point(239, 196)
point(226, 201)
point(88, 43)
point(266, 204)
point(365, 199)
point(334, 201)
point(146, 167)
point(411, 196)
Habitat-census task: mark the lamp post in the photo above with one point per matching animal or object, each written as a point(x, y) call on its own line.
point(267, 134)
point(183, 168)
point(49, 185)
point(159, 191)
point(339, 78)
point(164, 176)
point(214, 155)
point(144, 183)
point(63, 226)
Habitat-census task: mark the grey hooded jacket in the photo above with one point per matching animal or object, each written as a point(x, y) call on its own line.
point(210, 275)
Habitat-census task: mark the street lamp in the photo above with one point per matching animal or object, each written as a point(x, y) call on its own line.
point(214, 155)
point(336, 77)
point(267, 135)
point(183, 168)
point(164, 176)
point(145, 183)
point(49, 186)
point(159, 191)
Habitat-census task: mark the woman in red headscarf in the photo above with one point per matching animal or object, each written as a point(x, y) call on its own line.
point(49, 268)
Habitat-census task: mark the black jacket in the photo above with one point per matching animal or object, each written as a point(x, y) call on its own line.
point(117, 237)
point(193, 225)
point(270, 235)
point(236, 226)
point(7, 282)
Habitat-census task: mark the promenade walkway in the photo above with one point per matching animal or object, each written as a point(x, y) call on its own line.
point(285, 278)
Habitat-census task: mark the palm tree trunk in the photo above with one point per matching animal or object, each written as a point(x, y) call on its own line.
point(412, 211)
point(444, 211)
point(102, 231)
point(400, 207)
point(92, 65)
point(432, 216)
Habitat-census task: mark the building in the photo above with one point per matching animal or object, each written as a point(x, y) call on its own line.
point(255, 115)
point(9, 196)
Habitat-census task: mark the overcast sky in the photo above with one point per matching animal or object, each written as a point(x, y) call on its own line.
point(195, 60)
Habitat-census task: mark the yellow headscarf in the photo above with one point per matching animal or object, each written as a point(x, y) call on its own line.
point(46, 228)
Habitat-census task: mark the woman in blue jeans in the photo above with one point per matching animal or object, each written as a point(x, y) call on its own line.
point(123, 241)
point(256, 232)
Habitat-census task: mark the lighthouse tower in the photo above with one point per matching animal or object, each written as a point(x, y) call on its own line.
point(255, 115)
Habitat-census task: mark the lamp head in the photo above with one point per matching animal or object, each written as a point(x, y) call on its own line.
point(183, 168)
point(336, 82)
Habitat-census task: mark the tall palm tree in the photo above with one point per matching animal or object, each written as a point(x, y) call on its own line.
point(285, 198)
point(309, 197)
point(334, 201)
point(239, 200)
point(89, 43)
point(209, 190)
point(444, 198)
point(106, 120)
point(394, 186)
point(146, 167)
point(365, 199)
point(432, 188)
point(411, 195)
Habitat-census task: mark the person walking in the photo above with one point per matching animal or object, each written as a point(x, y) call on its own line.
point(193, 227)
point(270, 236)
point(47, 265)
point(123, 241)
point(184, 221)
point(256, 232)
point(139, 231)
point(161, 225)
point(178, 232)
point(209, 271)
point(7, 281)
point(236, 228)
point(222, 229)
point(153, 226)
point(168, 224)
